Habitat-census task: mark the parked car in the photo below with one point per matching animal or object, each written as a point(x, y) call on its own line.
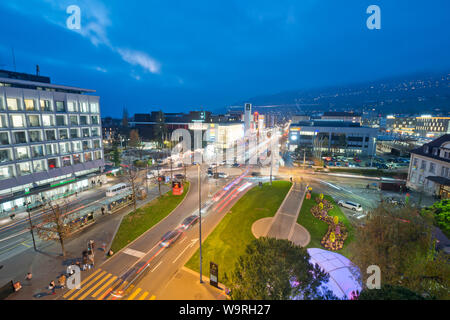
point(170, 237)
point(189, 221)
point(222, 175)
point(179, 176)
point(235, 165)
point(350, 205)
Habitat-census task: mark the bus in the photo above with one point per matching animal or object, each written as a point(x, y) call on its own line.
point(116, 189)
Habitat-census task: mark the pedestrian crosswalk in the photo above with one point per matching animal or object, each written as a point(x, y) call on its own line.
point(102, 285)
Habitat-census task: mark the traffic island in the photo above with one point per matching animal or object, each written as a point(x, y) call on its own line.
point(136, 223)
point(232, 235)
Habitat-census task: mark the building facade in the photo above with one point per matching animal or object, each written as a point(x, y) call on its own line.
point(342, 116)
point(432, 127)
point(50, 140)
point(429, 169)
point(337, 137)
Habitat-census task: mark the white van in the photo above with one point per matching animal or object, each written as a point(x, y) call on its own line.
point(350, 205)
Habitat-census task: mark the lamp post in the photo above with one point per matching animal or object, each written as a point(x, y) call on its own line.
point(31, 225)
point(200, 218)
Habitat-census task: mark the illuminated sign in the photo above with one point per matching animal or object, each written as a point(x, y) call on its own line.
point(62, 183)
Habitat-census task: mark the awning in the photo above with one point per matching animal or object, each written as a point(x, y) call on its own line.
point(440, 180)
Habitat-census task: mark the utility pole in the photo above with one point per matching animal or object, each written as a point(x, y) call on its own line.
point(146, 177)
point(271, 164)
point(171, 174)
point(31, 225)
point(304, 159)
point(200, 219)
point(159, 181)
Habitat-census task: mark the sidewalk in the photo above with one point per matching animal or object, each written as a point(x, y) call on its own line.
point(48, 264)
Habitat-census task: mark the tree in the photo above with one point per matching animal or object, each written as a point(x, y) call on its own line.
point(132, 175)
point(116, 154)
point(273, 269)
point(53, 226)
point(160, 130)
point(136, 142)
point(399, 241)
point(441, 213)
point(125, 118)
point(388, 292)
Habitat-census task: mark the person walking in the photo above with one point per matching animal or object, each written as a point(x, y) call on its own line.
point(91, 261)
point(62, 281)
point(52, 286)
point(29, 276)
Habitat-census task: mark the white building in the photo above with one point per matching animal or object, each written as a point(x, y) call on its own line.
point(429, 168)
point(50, 140)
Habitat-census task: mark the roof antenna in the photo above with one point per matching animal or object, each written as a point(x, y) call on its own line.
point(14, 58)
point(37, 70)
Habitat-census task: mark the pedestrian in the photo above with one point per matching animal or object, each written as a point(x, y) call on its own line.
point(91, 260)
point(62, 281)
point(110, 252)
point(29, 276)
point(52, 286)
point(104, 247)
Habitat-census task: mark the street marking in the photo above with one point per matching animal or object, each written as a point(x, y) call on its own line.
point(86, 286)
point(156, 266)
point(143, 295)
point(134, 294)
point(94, 287)
point(135, 253)
point(24, 244)
point(152, 298)
point(193, 241)
point(104, 286)
point(83, 282)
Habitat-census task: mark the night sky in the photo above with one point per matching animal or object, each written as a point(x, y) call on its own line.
point(186, 55)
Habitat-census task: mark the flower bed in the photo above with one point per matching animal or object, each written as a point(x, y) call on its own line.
point(337, 232)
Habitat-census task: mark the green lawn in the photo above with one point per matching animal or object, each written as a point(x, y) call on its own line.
point(318, 228)
point(136, 223)
point(230, 238)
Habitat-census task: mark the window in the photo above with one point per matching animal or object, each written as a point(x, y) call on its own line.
point(13, 104)
point(60, 106)
point(51, 149)
point(3, 121)
point(6, 172)
point(2, 105)
point(61, 120)
point(94, 120)
point(84, 107)
point(84, 120)
point(87, 156)
point(22, 153)
point(94, 107)
point(50, 135)
point(86, 145)
point(72, 106)
point(74, 133)
point(97, 155)
point(37, 151)
point(48, 120)
point(39, 165)
point(64, 147)
point(423, 165)
point(4, 138)
point(20, 137)
point(5, 155)
point(17, 121)
point(66, 162)
point(34, 120)
point(73, 120)
point(63, 134)
point(46, 105)
point(30, 105)
point(35, 136)
point(96, 144)
point(52, 163)
point(76, 146)
point(24, 168)
point(85, 132)
point(95, 132)
point(76, 158)
point(416, 161)
point(432, 167)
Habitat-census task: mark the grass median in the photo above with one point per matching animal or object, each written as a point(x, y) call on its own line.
point(136, 223)
point(231, 236)
point(317, 228)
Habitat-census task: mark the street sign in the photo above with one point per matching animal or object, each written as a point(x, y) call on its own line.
point(213, 274)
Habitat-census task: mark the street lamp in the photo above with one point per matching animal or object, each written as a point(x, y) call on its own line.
point(200, 218)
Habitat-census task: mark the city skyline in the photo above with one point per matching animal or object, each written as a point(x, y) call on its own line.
point(222, 53)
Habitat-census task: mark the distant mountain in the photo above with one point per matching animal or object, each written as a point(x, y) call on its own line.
point(406, 95)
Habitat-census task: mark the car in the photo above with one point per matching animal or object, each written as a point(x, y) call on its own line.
point(235, 165)
point(189, 221)
point(179, 176)
point(357, 159)
point(170, 237)
point(255, 174)
point(222, 175)
point(350, 205)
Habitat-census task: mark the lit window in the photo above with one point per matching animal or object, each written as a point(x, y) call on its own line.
point(6, 172)
point(72, 106)
point(29, 104)
point(13, 104)
point(46, 105)
point(60, 106)
point(52, 163)
point(39, 165)
point(51, 149)
point(85, 132)
point(22, 153)
point(84, 107)
point(17, 121)
point(24, 168)
point(66, 161)
point(87, 156)
point(76, 159)
point(94, 107)
point(64, 147)
point(47, 120)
